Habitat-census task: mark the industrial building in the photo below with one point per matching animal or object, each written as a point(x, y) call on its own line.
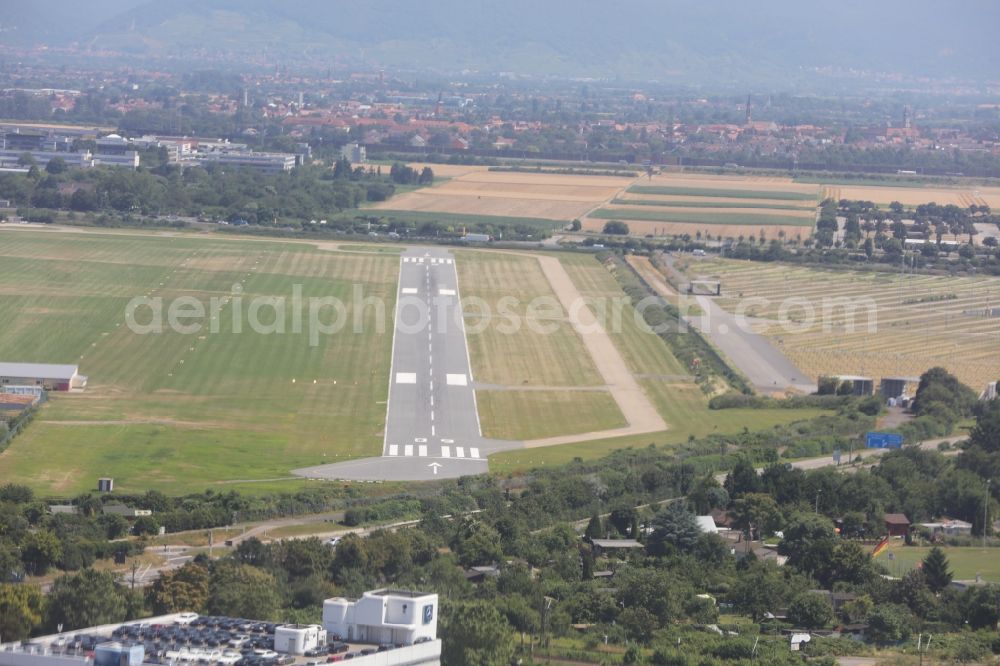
point(48, 376)
point(263, 162)
point(383, 628)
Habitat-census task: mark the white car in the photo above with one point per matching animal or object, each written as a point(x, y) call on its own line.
point(333, 541)
point(186, 618)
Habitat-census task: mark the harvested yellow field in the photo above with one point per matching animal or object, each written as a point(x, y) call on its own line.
point(917, 321)
point(448, 170)
point(913, 196)
point(509, 194)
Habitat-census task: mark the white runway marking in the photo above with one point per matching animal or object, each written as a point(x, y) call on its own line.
point(393, 449)
point(409, 290)
point(408, 450)
point(446, 292)
point(447, 441)
point(422, 450)
point(459, 452)
point(406, 378)
point(457, 380)
point(432, 431)
point(432, 415)
point(473, 452)
point(446, 452)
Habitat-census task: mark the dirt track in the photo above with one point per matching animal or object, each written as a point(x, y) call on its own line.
point(634, 404)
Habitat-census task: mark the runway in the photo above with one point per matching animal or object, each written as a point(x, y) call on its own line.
point(432, 424)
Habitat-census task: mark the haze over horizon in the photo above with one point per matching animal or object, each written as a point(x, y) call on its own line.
point(778, 43)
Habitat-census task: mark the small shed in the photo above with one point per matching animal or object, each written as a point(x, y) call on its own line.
point(896, 524)
point(614, 546)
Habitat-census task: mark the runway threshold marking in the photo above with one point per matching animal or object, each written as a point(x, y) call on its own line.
point(406, 378)
point(446, 452)
point(393, 449)
point(409, 290)
point(457, 380)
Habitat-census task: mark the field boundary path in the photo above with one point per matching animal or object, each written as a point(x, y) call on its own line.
point(635, 406)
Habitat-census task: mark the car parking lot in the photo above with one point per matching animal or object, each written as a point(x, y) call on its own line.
point(205, 640)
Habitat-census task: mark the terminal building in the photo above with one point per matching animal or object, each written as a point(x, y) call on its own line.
point(48, 376)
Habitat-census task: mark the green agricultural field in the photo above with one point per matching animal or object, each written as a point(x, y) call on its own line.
point(698, 217)
point(721, 193)
point(522, 415)
point(180, 412)
point(689, 203)
point(965, 562)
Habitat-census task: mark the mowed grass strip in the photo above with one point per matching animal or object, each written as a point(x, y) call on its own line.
point(722, 193)
point(516, 329)
point(965, 561)
point(521, 415)
point(258, 397)
point(687, 203)
point(702, 217)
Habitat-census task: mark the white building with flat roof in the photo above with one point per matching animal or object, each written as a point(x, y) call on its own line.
point(49, 376)
point(401, 617)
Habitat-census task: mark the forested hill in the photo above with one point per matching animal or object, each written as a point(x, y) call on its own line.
point(719, 42)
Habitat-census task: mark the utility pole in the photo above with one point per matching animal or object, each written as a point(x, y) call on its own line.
point(986, 511)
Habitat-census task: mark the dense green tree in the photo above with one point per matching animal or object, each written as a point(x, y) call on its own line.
point(674, 527)
point(889, 623)
point(809, 543)
point(474, 634)
point(22, 608)
point(936, 571)
point(595, 530)
point(239, 590)
point(758, 590)
point(810, 610)
point(40, 550)
point(615, 227)
point(184, 589)
point(87, 599)
point(56, 165)
point(477, 543)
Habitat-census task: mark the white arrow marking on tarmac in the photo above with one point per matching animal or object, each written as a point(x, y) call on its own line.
point(434, 466)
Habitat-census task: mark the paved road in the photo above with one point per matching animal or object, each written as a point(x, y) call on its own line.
point(432, 426)
point(754, 355)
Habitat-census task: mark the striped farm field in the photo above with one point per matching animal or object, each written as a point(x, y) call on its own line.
point(677, 202)
point(747, 218)
point(901, 324)
point(723, 193)
point(184, 411)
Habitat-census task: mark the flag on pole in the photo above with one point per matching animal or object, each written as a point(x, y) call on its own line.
point(880, 547)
